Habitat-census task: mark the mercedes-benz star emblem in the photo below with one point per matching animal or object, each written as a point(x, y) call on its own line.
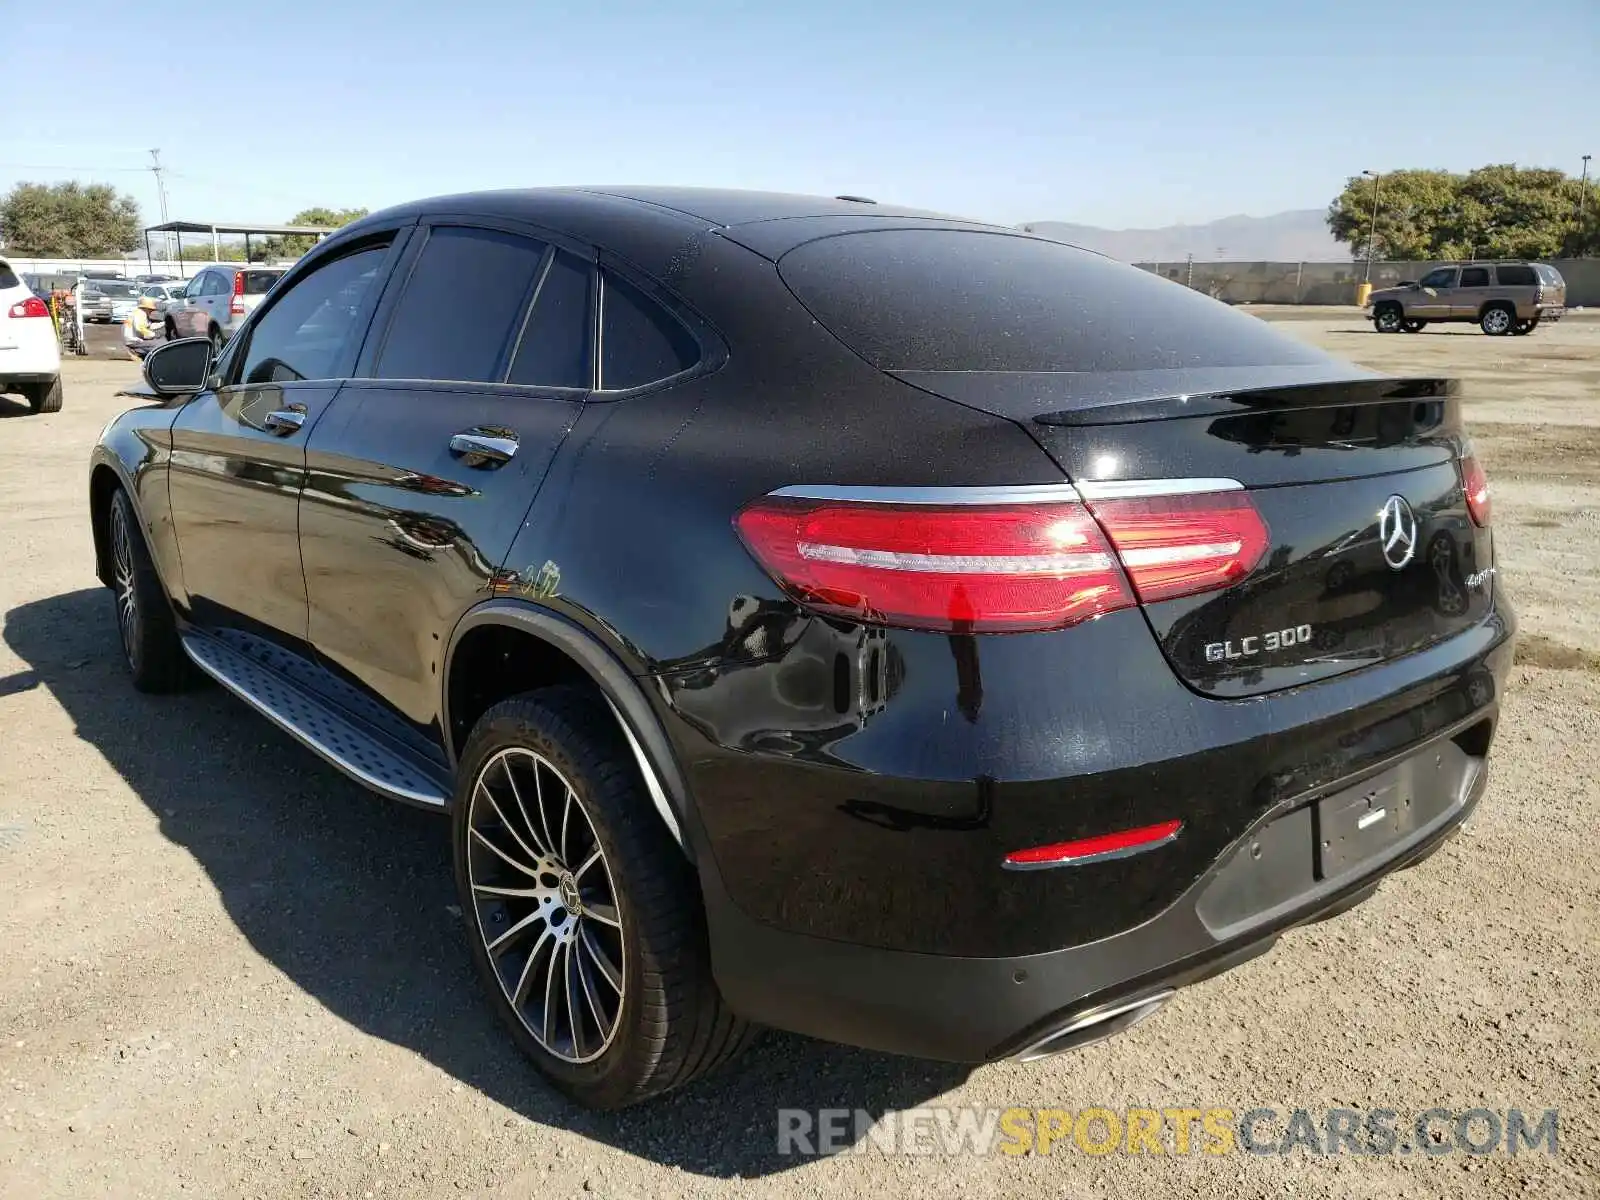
point(1397, 532)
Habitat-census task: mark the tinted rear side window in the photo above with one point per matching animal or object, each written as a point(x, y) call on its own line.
point(557, 341)
point(462, 307)
point(8, 277)
point(259, 283)
point(1474, 277)
point(1511, 275)
point(952, 300)
point(640, 342)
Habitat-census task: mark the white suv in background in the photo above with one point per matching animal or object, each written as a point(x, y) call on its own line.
point(218, 298)
point(30, 355)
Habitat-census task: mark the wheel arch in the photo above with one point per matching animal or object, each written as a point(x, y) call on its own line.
point(1509, 306)
point(575, 650)
point(104, 481)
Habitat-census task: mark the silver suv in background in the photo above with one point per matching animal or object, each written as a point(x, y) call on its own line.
point(1500, 298)
point(217, 299)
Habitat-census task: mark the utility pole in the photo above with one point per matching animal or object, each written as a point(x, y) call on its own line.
point(1372, 234)
point(1583, 193)
point(161, 197)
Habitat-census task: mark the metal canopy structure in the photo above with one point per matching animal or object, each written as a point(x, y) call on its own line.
point(217, 228)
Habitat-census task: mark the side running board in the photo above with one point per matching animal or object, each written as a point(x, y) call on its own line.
point(364, 757)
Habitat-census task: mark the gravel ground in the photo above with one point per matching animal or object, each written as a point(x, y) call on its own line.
point(229, 972)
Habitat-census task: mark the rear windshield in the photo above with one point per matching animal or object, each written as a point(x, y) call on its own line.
point(259, 283)
point(117, 291)
point(1549, 275)
point(8, 277)
point(954, 300)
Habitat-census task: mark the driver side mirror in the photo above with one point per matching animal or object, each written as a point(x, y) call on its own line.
point(179, 368)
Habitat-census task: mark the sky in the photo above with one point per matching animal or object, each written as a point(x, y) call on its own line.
point(1131, 113)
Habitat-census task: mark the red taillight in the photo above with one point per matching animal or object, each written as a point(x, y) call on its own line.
point(236, 308)
point(965, 568)
point(1178, 545)
point(31, 307)
point(1094, 849)
point(1476, 486)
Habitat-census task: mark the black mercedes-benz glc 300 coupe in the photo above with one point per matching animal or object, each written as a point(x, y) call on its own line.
point(878, 625)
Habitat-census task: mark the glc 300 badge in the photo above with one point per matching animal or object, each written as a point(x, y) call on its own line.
point(1259, 643)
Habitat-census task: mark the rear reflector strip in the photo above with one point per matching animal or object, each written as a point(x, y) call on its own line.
point(1101, 848)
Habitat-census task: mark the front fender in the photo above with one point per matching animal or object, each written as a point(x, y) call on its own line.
point(133, 454)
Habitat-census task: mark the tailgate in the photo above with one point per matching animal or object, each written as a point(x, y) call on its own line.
point(1370, 554)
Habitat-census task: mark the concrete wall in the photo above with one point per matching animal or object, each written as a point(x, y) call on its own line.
point(1335, 283)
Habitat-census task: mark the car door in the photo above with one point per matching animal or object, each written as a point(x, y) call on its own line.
point(238, 450)
point(1434, 293)
point(418, 482)
point(1471, 291)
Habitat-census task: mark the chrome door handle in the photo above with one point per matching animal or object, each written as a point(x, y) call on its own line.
point(484, 446)
point(284, 421)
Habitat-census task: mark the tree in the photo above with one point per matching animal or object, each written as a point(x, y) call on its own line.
point(295, 246)
point(68, 220)
point(1497, 211)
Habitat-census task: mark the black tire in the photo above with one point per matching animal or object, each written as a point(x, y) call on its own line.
point(215, 335)
point(171, 331)
point(1388, 318)
point(1412, 325)
point(1523, 328)
point(1497, 320)
point(671, 1024)
point(145, 624)
point(44, 397)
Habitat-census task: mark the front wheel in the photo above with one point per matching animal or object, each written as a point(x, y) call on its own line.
point(145, 624)
point(216, 343)
point(584, 916)
point(1497, 321)
point(1387, 318)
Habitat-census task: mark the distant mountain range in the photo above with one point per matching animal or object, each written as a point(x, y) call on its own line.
point(1298, 236)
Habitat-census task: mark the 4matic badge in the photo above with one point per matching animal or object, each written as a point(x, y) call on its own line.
point(1260, 643)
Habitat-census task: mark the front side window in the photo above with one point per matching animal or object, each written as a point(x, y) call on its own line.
point(462, 307)
point(1439, 277)
point(1474, 277)
point(640, 342)
point(303, 334)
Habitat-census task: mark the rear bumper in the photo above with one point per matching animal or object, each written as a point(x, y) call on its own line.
point(981, 1009)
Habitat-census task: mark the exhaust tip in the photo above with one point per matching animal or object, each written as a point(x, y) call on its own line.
point(1093, 1026)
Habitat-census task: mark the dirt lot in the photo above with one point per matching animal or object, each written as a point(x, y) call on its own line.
point(225, 971)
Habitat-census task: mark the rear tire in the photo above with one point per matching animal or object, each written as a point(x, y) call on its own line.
point(1498, 320)
point(1388, 318)
point(1523, 328)
point(568, 880)
point(149, 633)
point(44, 397)
point(1413, 326)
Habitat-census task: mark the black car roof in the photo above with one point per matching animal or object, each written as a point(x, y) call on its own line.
point(635, 220)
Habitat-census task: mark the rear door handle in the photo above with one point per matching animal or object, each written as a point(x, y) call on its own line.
point(284, 421)
point(485, 445)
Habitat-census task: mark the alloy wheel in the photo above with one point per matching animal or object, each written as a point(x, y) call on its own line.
point(1496, 320)
point(123, 581)
point(545, 905)
point(1387, 320)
